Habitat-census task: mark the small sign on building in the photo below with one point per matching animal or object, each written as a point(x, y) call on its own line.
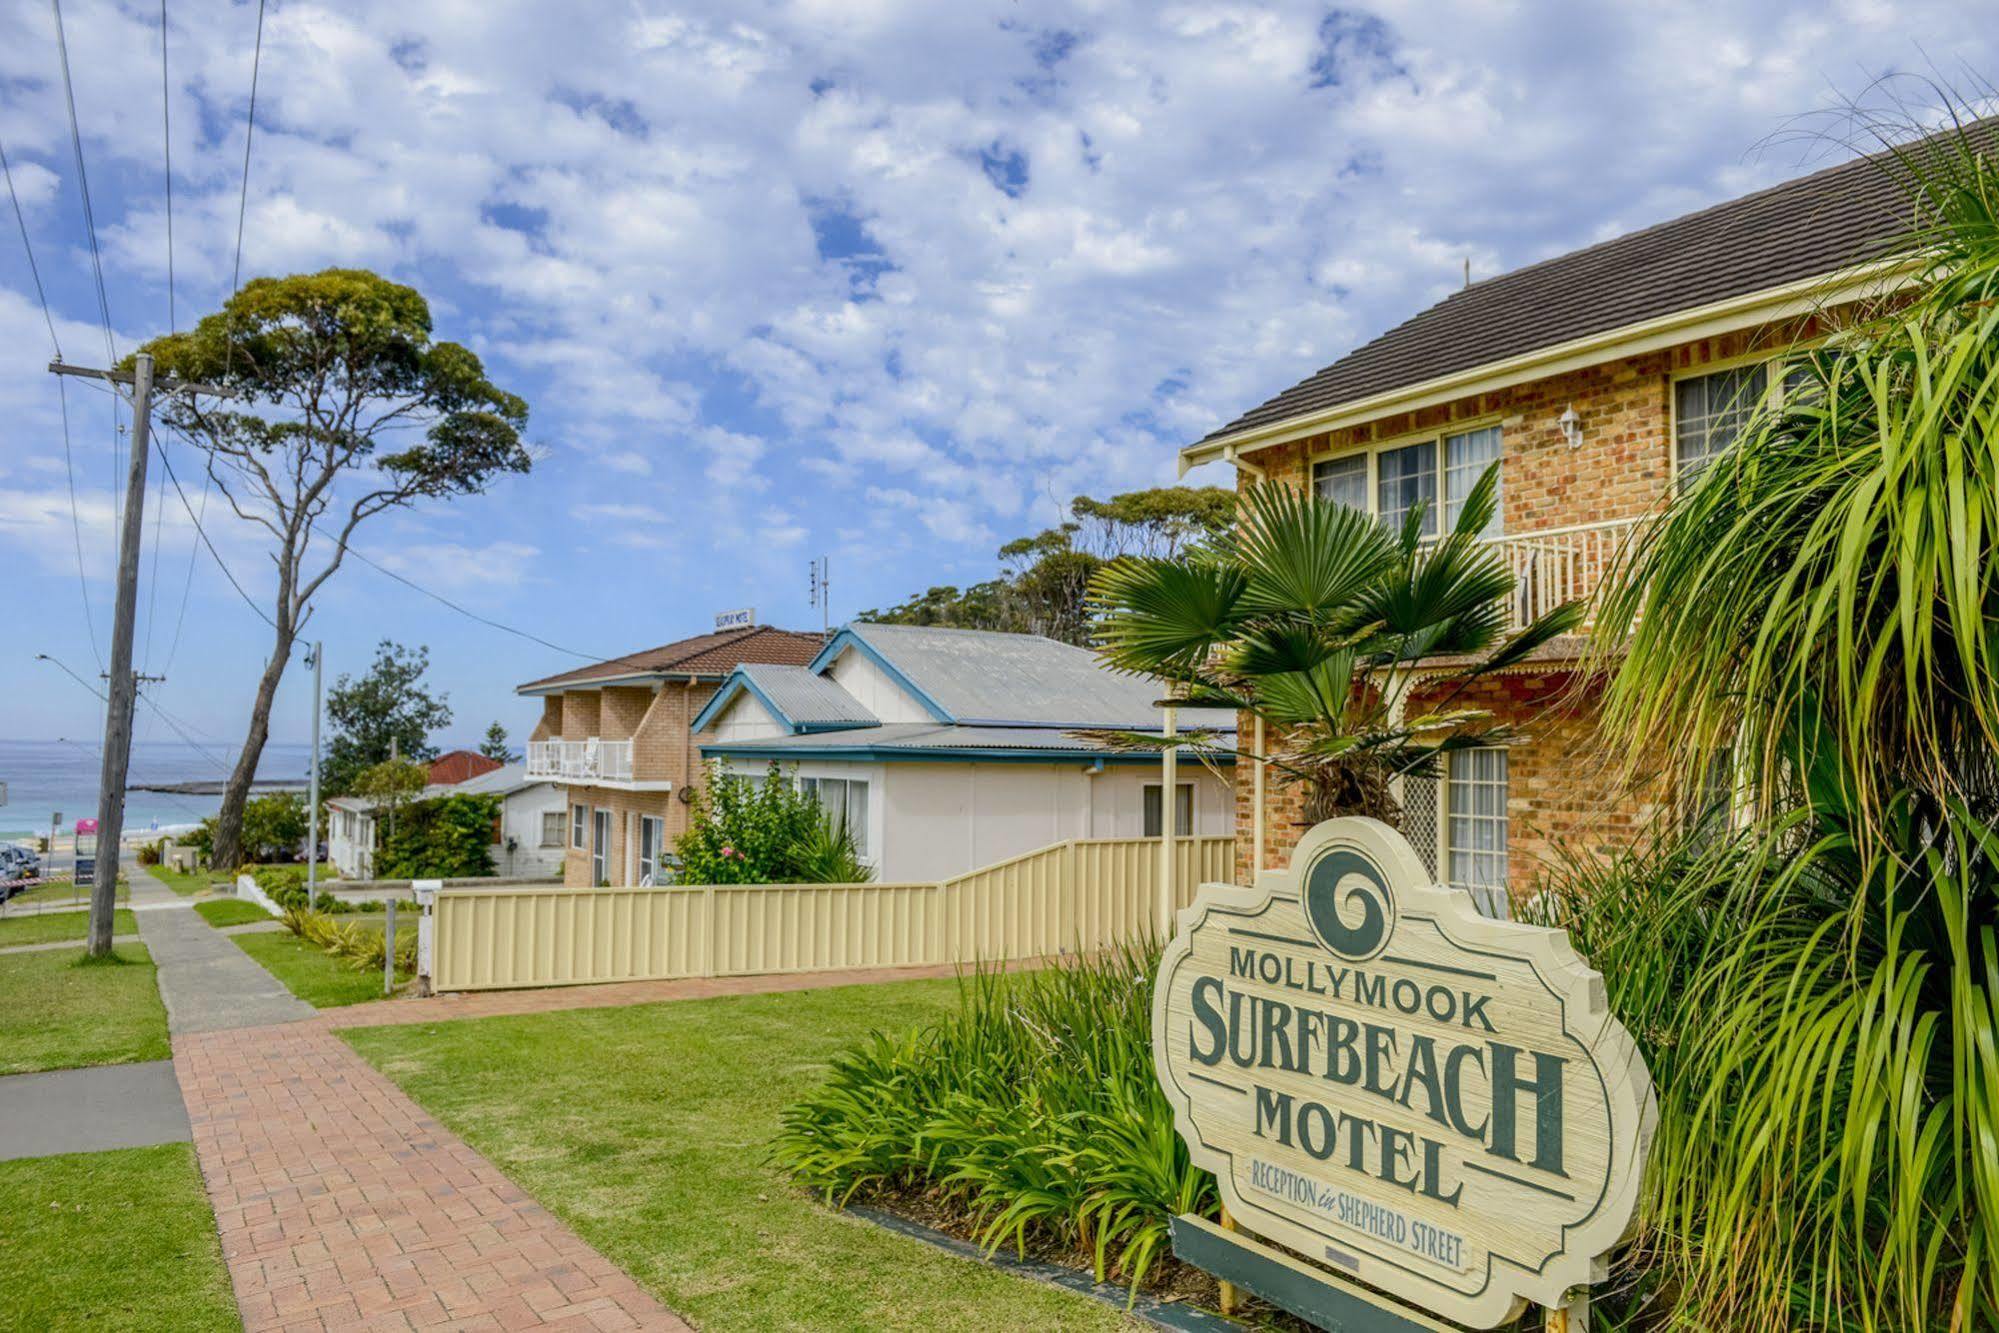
point(1417, 1097)
point(743, 619)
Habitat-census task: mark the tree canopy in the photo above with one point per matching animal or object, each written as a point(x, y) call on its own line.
point(1044, 579)
point(384, 711)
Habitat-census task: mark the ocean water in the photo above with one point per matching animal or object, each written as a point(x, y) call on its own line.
point(45, 777)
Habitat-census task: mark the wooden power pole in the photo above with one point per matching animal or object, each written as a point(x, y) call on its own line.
point(124, 688)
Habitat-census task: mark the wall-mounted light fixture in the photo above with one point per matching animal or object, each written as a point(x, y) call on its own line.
point(1572, 427)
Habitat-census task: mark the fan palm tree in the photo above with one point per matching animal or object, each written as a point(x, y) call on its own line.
point(1316, 618)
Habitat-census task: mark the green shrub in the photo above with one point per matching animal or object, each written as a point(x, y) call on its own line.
point(363, 949)
point(274, 827)
point(1032, 1113)
point(149, 853)
point(447, 837)
point(751, 830)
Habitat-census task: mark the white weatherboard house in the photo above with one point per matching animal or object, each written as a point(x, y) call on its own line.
point(528, 842)
point(950, 749)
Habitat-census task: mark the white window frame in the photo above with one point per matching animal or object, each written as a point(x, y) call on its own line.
point(1449, 817)
point(1438, 440)
point(652, 831)
point(814, 785)
point(1776, 371)
point(579, 828)
point(600, 846)
point(1149, 795)
point(561, 818)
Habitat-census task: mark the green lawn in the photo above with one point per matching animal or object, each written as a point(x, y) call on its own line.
point(104, 1240)
point(58, 1011)
point(192, 882)
point(51, 926)
point(231, 911)
point(315, 976)
point(63, 891)
point(647, 1129)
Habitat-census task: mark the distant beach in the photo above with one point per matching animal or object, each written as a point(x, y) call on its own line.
point(49, 777)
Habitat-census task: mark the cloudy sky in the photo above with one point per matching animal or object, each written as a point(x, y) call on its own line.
point(886, 280)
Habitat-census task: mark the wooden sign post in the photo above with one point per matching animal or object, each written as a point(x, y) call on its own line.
point(1421, 1100)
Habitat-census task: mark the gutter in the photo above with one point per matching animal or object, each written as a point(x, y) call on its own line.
point(1769, 305)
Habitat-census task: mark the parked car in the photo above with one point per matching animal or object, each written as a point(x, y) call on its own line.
point(19, 866)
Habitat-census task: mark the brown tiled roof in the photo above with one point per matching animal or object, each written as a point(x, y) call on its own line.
point(1803, 229)
point(708, 655)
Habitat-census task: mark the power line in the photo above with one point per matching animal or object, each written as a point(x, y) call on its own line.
point(474, 615)
point(68, 455)
point(167, 144)
point(243, 198)
point(34, 269)
point(83, 185)
point(202, 533)
point(187, 584)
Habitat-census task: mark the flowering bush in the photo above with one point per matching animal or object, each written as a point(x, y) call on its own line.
point(759, 830)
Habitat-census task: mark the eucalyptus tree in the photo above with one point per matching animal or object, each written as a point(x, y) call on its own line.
point(343, 407)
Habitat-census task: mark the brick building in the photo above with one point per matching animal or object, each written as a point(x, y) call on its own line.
point(1597, 381)
point(617, 735)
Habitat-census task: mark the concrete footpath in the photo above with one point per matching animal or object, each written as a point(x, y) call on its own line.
point(90, 1110)
point(207, 982)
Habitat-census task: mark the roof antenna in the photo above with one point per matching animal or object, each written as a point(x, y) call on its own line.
point(1467, 270)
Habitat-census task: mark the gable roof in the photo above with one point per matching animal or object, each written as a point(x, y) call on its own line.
point(796, 697)
point(983, 677)
point(502, 780)
point(1788, 234)
point(459, 765)
point(702, 657)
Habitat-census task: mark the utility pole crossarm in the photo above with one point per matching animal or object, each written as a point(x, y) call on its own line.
point(129, 378)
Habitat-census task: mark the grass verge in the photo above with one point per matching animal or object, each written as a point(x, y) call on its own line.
point(111, 1240)
point(655, 1148)
point(231, 912)
point(65, 891)
point(315, 976)
point(53, 926)
point(61, 1011)
point(191, 882)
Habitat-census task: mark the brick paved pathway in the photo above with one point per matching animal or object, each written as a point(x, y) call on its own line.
point(342, 1205)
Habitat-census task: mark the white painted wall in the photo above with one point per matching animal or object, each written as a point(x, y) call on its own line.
point(854, 672)
point(520, 820)
point(745, 719)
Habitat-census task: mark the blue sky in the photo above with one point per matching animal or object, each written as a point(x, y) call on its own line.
point(883, 281)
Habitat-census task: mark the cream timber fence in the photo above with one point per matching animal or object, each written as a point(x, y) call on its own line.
point(1077, 896)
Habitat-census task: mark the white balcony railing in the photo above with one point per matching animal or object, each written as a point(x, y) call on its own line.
point(581, 761)
point(1558, 565)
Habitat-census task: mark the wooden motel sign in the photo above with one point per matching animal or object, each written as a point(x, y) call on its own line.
point(1430, 1101)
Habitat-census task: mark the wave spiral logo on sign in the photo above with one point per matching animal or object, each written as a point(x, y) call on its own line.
point(1408, 1093)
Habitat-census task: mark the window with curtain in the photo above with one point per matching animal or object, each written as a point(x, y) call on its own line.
point(1466, 457)
point(1405, 478)
point(1709, 412)
point(1342, 481)
point(845, 800)
point(1475, 819)
point(1183, 810)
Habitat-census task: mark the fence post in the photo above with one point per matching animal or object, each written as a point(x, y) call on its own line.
point(389, 950)
point(426, 930)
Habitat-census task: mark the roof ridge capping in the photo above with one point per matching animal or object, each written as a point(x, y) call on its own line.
point(1795, 234)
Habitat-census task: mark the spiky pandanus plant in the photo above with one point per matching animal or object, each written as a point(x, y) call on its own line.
point(1314, 617)
point(1824, 599)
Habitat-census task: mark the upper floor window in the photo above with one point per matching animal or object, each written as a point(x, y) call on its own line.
point(1709, 412)
point(1388, 483)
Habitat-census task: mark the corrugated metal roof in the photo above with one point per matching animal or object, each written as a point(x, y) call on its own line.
point(1806, 228)
point(504, 781)
point(805, 698)
point(983, 676)
point(921, 738)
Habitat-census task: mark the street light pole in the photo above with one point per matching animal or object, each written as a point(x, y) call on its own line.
point(312, 811)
